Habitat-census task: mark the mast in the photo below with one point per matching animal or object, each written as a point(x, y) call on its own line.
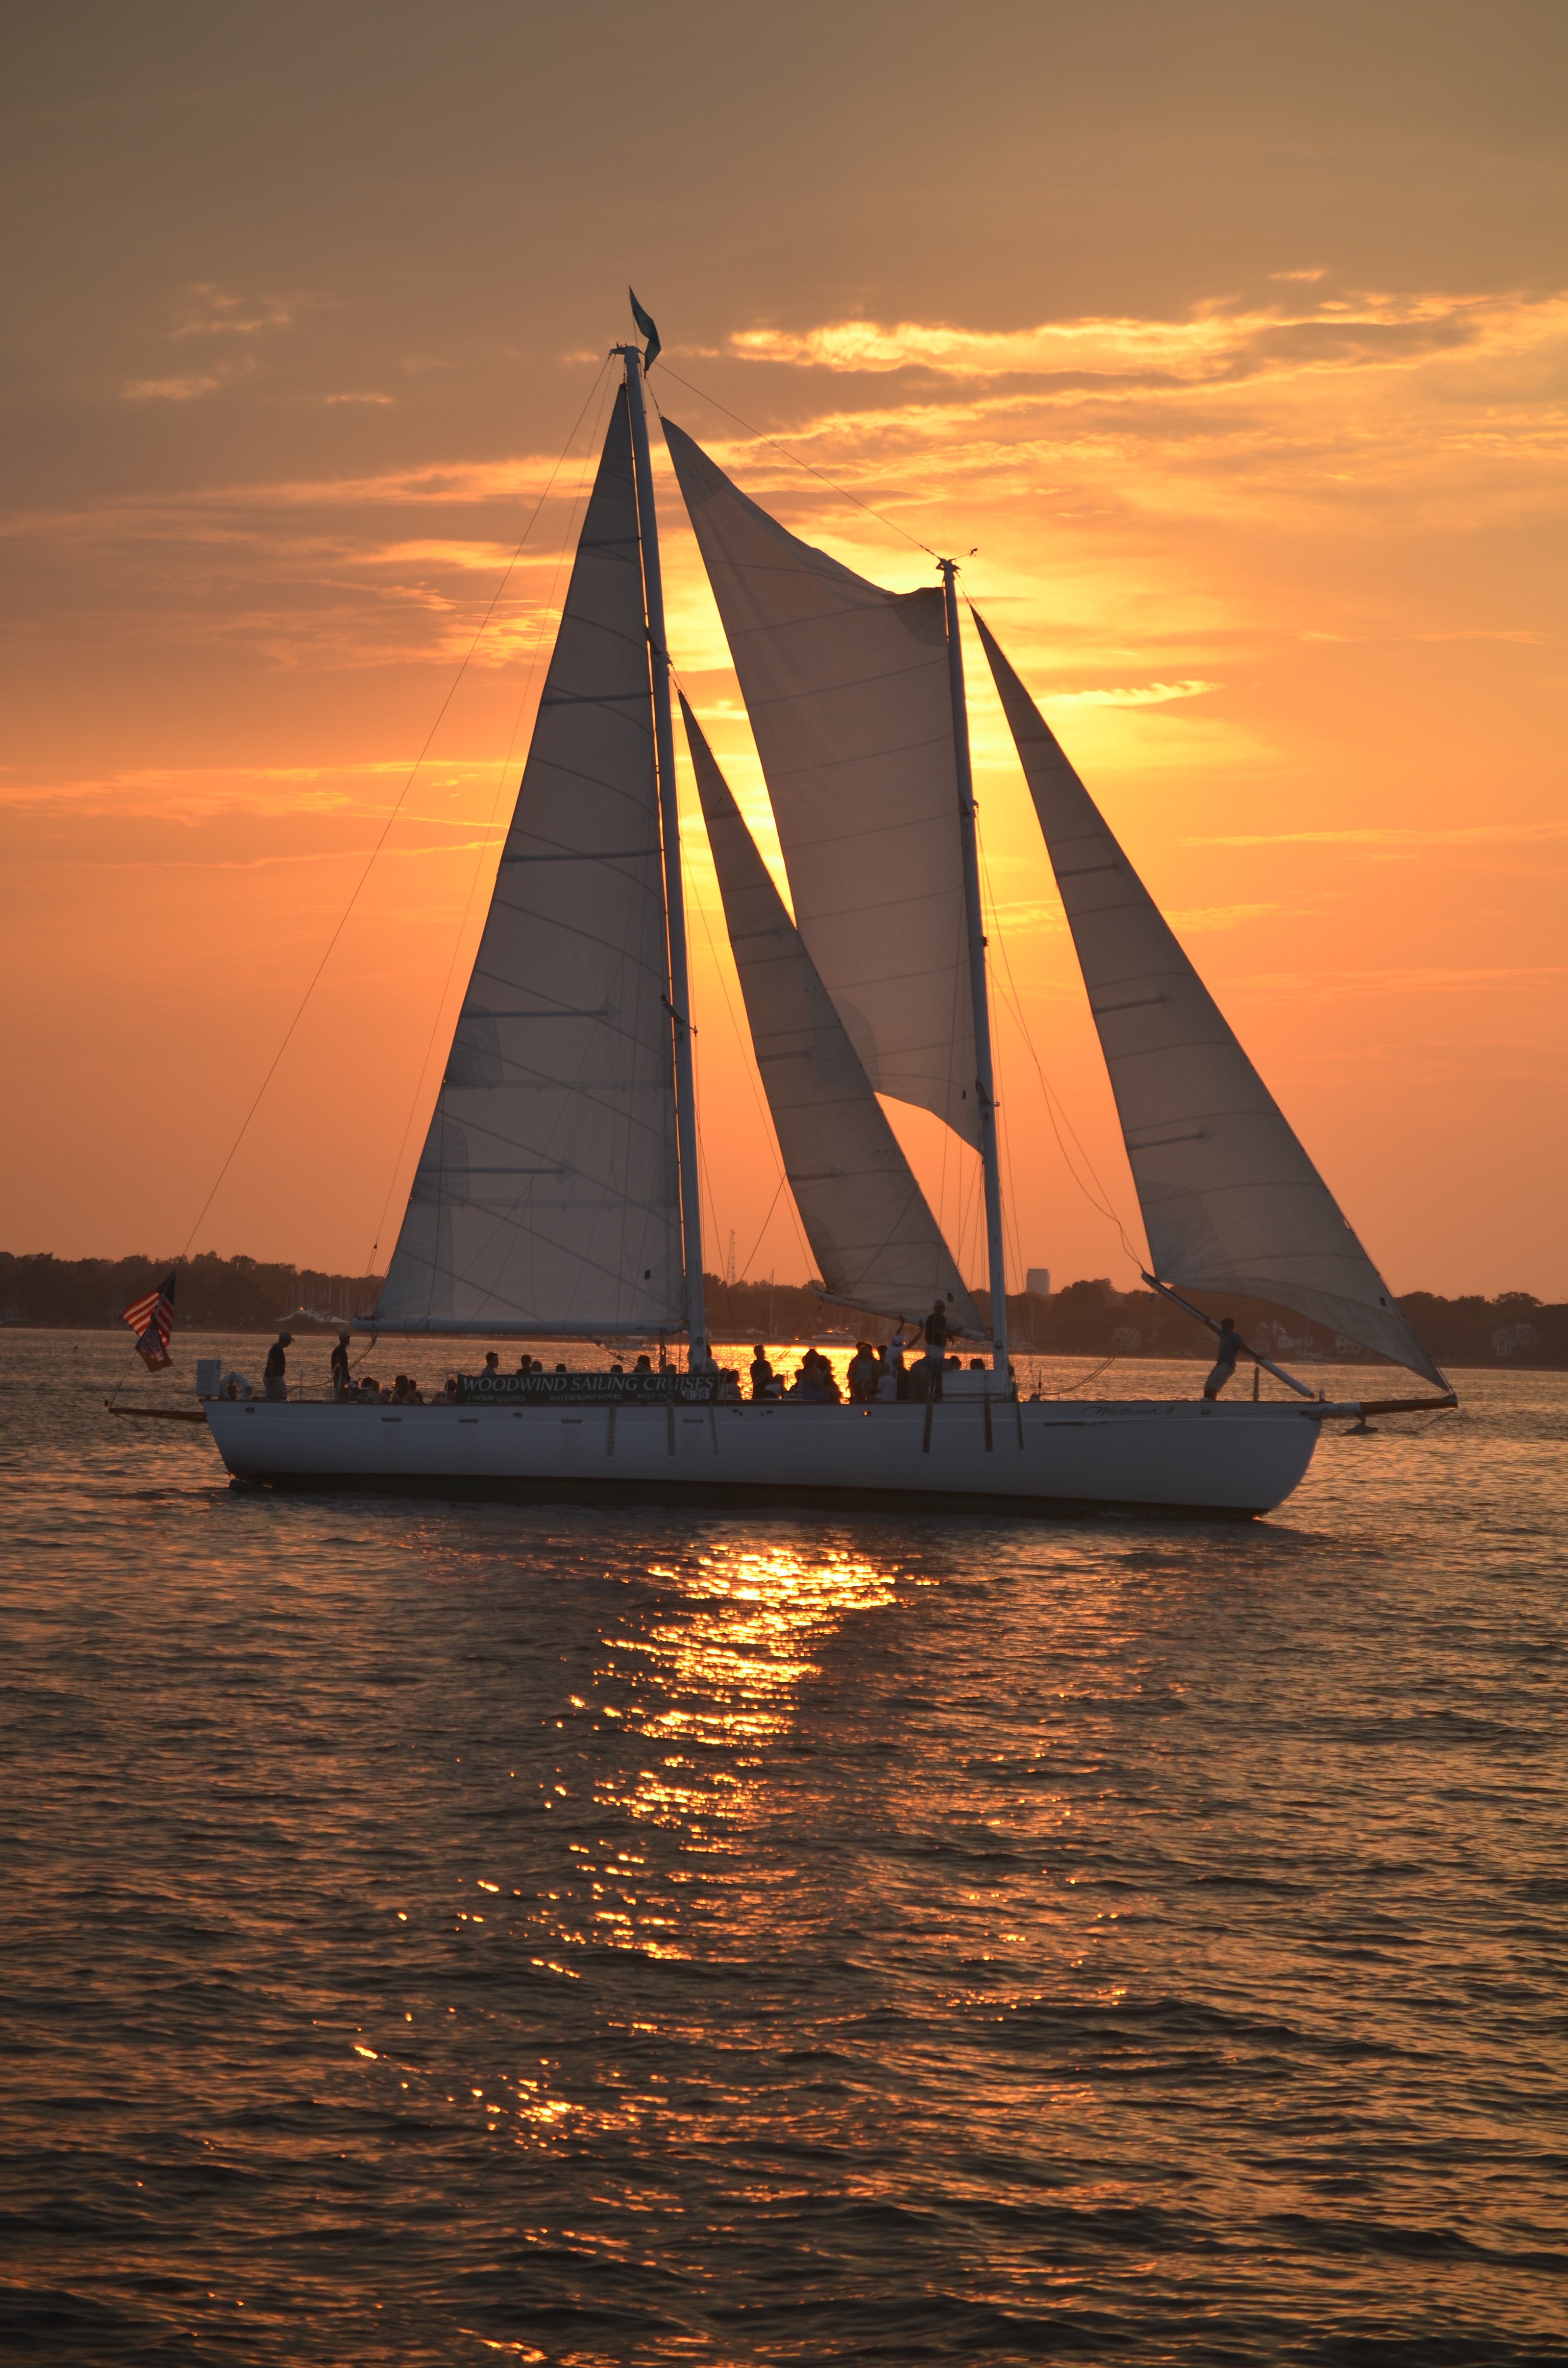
point(669, 832)
point(984, 1077)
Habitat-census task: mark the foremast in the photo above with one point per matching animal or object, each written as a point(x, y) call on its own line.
point(679, 998)
point(984, 1079)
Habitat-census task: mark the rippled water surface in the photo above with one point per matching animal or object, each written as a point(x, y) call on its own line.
point(434, 1933)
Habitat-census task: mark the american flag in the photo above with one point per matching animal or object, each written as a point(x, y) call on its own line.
point(152, 1319)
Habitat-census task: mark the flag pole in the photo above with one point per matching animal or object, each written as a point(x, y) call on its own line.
point(669, 831)
point(984, 1079)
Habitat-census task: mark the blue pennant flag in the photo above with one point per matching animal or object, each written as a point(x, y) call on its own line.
point(645, 323)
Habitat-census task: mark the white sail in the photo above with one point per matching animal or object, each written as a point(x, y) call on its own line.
point(547, 1195)
point(846, 688)
point(876, 1243)
point(1230, 1200)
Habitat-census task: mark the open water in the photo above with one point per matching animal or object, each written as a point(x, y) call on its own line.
point(444, 1934)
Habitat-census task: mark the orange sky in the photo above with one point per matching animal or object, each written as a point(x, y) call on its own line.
point(1233, 338)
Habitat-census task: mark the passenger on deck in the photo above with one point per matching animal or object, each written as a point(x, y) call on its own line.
point(977, 1364)
point(369, 1390)
point(890, 1373)
point(1232, 1346)
point(862, 1375)
point(276, 1366)
point(341, 1384)
point(761, 1372)
point(643, 1365)
point(451, 1392)
point(493, 1362)
point(808, 1387)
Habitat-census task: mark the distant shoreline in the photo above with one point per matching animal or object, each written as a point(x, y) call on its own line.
point(244, 1297)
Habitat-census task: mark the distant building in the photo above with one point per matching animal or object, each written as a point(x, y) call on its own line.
point(1037, 1282)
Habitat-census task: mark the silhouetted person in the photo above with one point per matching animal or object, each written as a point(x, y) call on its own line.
point(1231, 1348)
point(340, 1382)
point(276, 1366)
point(761, 1372)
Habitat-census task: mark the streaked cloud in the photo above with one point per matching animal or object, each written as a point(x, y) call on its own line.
point(176, 390)
point(1153, 694)
point(1397, 835)
point(1215, 344)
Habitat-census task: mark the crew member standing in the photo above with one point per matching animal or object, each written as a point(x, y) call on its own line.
point(1232, 1346)
point(277, 1365)
point(340, 1383)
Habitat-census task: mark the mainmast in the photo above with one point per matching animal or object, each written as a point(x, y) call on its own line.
point(984, 1076)
point(669, 832)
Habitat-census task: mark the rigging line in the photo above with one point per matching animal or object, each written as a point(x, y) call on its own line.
point(1010, 1205)
point(375, 851)
point(1053, 1101)
point(766, 1223)
point(821, 474)
point(705, 1175)
point(547, 611)
point(1004, 1135)
point(1071, 1388)
point(1103, 1206)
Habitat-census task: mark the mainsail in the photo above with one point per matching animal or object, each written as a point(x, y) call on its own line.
point(876, 1243)
point(1230, 1200)
point(547, 1195)
point(847, 687)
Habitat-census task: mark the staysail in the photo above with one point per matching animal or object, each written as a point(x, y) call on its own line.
point(1230, 1200)
point(547, 1196)
point(871, 1228)
point(848, 691)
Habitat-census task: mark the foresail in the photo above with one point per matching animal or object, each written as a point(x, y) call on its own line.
point(1230, 1200)
point(548, 1193)
point(847, 687)
point(876, 1243)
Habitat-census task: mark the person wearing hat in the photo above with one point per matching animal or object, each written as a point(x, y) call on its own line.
point(340, 1384)
point(277, 1387)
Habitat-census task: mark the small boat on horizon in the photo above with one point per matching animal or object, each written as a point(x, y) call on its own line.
point(556, 1196)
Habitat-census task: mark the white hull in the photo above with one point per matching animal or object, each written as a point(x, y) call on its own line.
point(1036, 1457)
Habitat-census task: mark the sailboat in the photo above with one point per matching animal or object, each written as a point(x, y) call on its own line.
point(557, 1192)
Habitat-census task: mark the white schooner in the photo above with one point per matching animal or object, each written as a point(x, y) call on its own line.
point(557, 1192)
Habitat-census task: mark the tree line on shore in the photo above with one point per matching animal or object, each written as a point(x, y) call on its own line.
point(1086, 1319)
